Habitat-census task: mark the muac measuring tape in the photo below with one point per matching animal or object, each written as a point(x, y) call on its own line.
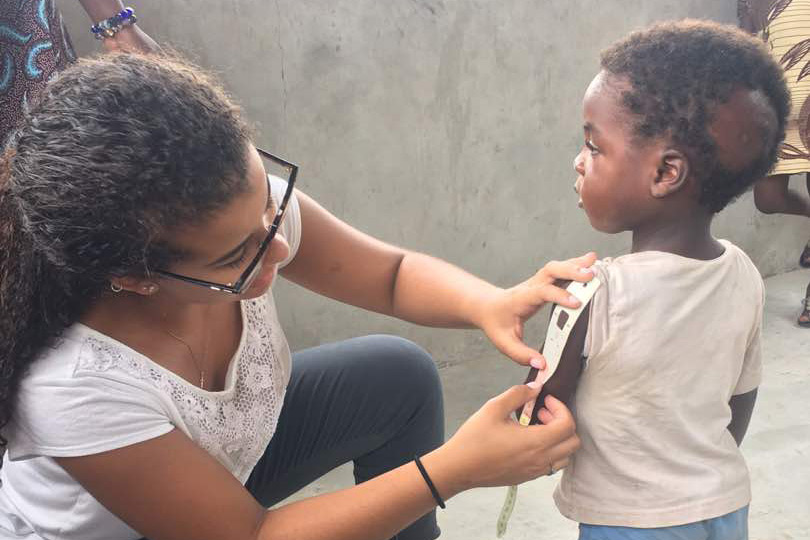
point(562, 322)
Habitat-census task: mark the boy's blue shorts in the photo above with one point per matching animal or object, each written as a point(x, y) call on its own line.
point(733, 526)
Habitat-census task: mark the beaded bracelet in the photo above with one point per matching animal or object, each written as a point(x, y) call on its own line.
point(109, 27)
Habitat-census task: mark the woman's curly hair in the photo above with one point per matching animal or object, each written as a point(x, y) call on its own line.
point(117, 152)
point(679, 72)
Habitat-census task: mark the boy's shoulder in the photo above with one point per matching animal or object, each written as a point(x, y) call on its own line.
point(654, 277)
point(669, 299)
point(659, 265)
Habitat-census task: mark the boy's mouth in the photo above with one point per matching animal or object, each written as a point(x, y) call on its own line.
point(577, 188)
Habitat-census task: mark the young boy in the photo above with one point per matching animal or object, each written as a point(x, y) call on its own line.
point(681, 120)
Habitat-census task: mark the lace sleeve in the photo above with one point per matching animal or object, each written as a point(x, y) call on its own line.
point(64, 413)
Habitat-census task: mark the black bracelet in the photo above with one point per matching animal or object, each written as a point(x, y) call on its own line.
point(429, 482)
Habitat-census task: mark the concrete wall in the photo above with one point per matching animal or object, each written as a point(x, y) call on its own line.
point(447, 126)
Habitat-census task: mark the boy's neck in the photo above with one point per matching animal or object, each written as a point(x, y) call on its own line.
point(688, 236)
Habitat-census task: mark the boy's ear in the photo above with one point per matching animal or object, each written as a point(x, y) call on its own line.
point(672, 173)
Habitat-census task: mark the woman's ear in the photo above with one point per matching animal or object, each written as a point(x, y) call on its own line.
point(144, 287)
point(672, 174)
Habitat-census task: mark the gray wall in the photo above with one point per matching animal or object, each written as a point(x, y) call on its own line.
point(447, 126)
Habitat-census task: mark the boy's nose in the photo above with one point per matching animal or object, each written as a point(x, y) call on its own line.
point(579, 164)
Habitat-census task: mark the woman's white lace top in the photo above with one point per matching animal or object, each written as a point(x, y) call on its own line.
point(91, 394)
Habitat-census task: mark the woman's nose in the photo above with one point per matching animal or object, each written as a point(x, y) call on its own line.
point(278, 251)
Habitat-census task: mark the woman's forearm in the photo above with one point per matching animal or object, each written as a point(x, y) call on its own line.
point(374, 510)
point(432, 292)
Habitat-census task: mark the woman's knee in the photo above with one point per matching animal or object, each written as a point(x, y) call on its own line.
point(412, 387)
point(406, 364)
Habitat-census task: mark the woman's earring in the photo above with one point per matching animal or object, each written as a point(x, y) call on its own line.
point(150, 289)
point(116, 288)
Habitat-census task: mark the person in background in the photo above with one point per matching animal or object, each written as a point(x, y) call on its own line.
point(35, 45)
point(785, 26)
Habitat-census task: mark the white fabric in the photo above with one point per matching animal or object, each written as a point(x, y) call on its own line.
point(670, 341)
point(90, 394)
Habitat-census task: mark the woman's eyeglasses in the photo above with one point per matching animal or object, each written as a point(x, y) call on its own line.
point(253, 269)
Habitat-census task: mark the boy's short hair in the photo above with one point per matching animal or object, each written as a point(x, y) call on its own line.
point(679, 73)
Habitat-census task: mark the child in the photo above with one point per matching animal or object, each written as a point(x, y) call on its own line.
point(682, 119)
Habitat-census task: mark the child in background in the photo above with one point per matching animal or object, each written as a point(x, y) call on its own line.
point(682, 119)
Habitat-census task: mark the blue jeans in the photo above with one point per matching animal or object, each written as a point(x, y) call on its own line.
point(733, 526)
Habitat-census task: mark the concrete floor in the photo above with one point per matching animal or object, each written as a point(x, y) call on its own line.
point(777, 446)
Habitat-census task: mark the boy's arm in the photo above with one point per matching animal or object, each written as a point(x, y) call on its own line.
point(564, 382)
point(742, 406)
point(565, 379)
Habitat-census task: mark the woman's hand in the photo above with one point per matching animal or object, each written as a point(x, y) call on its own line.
point(492, 449)
point(502, 315)
point(130, 39)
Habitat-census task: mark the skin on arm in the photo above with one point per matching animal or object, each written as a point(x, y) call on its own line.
point(168, 488)
point(773, 195)
point(742, 406)
point(340, 262)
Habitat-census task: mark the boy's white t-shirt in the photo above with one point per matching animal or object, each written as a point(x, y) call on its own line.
point(670, 341)
point(90, 394)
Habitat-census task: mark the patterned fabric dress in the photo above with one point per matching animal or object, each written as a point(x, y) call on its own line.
point(34, 45)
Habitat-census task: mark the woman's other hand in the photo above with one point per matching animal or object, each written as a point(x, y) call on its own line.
point(492, 449)
point(504, 313)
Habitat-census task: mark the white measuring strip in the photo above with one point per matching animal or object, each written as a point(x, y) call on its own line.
point(562, 322)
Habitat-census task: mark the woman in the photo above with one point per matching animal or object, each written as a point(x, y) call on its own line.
point(142, 366)
point(785, 26)
point(36, 44)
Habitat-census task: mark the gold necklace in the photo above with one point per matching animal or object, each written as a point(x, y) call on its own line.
point(191, 352)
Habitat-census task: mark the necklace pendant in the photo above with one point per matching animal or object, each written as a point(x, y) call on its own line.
point(202, 380)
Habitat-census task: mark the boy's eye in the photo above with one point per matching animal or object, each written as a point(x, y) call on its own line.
point(590, 146)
